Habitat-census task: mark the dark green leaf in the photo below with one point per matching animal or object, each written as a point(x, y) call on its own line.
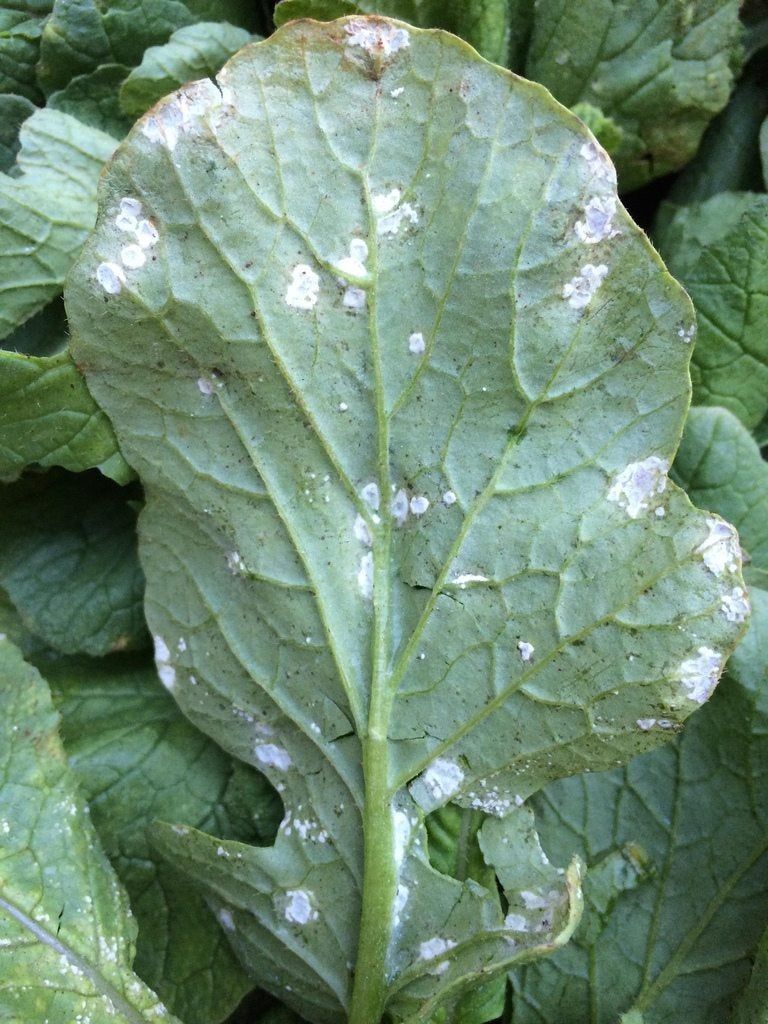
point(68, 562)
point(14, 110)
point(719, 250)
point(93, 98)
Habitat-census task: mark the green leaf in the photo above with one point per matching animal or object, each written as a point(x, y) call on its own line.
point(14, 110)
point(68, 562)
point(483, 23)
point(658, 71)
point(47, 211)
point(197, 51)
point(728, 159)
point(138, 759)
point(413, 524)
point(677, 945)
point(93, 98)
point(66, 934)
point(764, 150)
point(48, 418)
point(320, 10)
point(19, 49)
point(721, 468)
point(718, 249)
point(81, 35)
point(752, 1008)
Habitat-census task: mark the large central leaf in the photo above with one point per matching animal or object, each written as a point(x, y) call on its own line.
point(402, 382)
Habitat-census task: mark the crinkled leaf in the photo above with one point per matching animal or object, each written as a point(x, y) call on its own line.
point(719, 250)
point(14, 110)
point(720, 467)
point(137, 760)
point(19, 49)
point(68, 561)
point(408, 536)
point(676, 887)
point(93, 98)
point(660, 71)
point(483, 23)
point(81, 35)
point(47, 211)
point(66, 934)
point(193, 52)
point(728, 159)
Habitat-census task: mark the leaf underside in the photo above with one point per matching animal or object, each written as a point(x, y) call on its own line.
point(402, 400)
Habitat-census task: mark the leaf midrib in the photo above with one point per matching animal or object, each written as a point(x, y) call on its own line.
point(102, 986)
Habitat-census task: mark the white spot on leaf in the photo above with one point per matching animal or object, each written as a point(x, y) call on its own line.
point(598, 220)
point(146, 234)
point(111, 277)
point(599, 163)
point(272, 756)
point(365, 576)
point(467, 578)
point(353, 298)
point(735, 605)
point(225, 919)
point(399, 508)
point(371, 496)
point(442, 779)
point(401, 898)
point(390, 212)
point(304, 287)
point(720, 550)
point(396, 93)
point(132, 257)
point(416, 343)
point(526, 650)
point(298, 908)
point(165, 670)
point(687, 334)
point(362, 532)
point(580, 289)
point(636, 486)
point(698, 676)
point(434, 948)
point(419, 504)
point(127, 218)
point(377, 38)
point(449, 498)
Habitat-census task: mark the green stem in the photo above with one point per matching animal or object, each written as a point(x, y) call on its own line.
point(380, 883)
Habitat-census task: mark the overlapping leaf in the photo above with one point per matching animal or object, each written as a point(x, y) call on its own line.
point(137, 759)
point(66, 936)
point(81, 35)
point(191, 53)
point(677, 843)
point(68, 562)
point(402, 382)
point(719, 250)
point(46, 211)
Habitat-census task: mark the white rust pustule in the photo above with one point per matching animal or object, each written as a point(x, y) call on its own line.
point(638, 487)
point(377, 38)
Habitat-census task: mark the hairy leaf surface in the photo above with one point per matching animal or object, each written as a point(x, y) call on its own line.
point(401, 381)
point(46, 211)
point(66, 935)
point(719, 250)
